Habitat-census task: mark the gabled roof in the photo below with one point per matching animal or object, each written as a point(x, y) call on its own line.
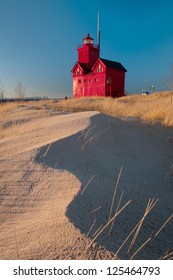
point(106, 62)
point(81, 65)
point(113, 64)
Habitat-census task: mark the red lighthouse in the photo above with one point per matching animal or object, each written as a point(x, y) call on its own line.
point(94, 76)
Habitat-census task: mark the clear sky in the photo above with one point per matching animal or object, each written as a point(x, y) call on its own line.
point(38, 40)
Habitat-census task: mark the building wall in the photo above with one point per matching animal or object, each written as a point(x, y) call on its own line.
point(115, 79)
point(89, 85)
point(99, 84)
point(109, 82)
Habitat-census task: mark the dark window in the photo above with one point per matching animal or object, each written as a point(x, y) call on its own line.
point(109, 80)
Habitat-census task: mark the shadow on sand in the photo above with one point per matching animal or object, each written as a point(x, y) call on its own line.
point(97, 154)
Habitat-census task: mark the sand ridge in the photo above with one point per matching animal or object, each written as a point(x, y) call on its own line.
point(45, 214)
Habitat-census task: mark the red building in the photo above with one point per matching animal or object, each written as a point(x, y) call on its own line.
point(95, 76)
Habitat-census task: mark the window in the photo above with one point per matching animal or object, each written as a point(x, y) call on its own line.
point(78, 72)
point(79, 81)
point(88, 41)
point(99, 69)
point(90, 80)
point(109, 80)
point(96, 79)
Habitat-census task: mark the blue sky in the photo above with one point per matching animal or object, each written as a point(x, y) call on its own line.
point(38, 40)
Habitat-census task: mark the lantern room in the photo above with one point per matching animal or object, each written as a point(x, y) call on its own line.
point(88, 40)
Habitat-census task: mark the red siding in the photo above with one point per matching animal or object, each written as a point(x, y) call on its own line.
point(117, 81)
point(110, 83)
point(88, 54)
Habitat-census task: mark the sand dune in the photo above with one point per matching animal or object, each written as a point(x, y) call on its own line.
point(57, 181)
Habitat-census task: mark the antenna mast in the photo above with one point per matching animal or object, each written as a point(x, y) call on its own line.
point(98, 32)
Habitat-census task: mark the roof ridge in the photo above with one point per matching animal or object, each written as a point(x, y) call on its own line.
point(113, 64)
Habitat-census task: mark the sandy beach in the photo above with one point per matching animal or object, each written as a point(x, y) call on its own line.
point(58, 178)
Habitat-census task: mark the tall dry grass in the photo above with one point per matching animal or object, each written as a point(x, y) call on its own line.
point(6, 107)
point(157, 107)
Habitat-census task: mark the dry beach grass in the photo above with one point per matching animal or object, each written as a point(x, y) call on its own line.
point(87, 185)
point(147, 108)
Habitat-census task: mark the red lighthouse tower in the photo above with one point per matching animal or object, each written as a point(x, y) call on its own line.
point(95, 76)
point(88, 53)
